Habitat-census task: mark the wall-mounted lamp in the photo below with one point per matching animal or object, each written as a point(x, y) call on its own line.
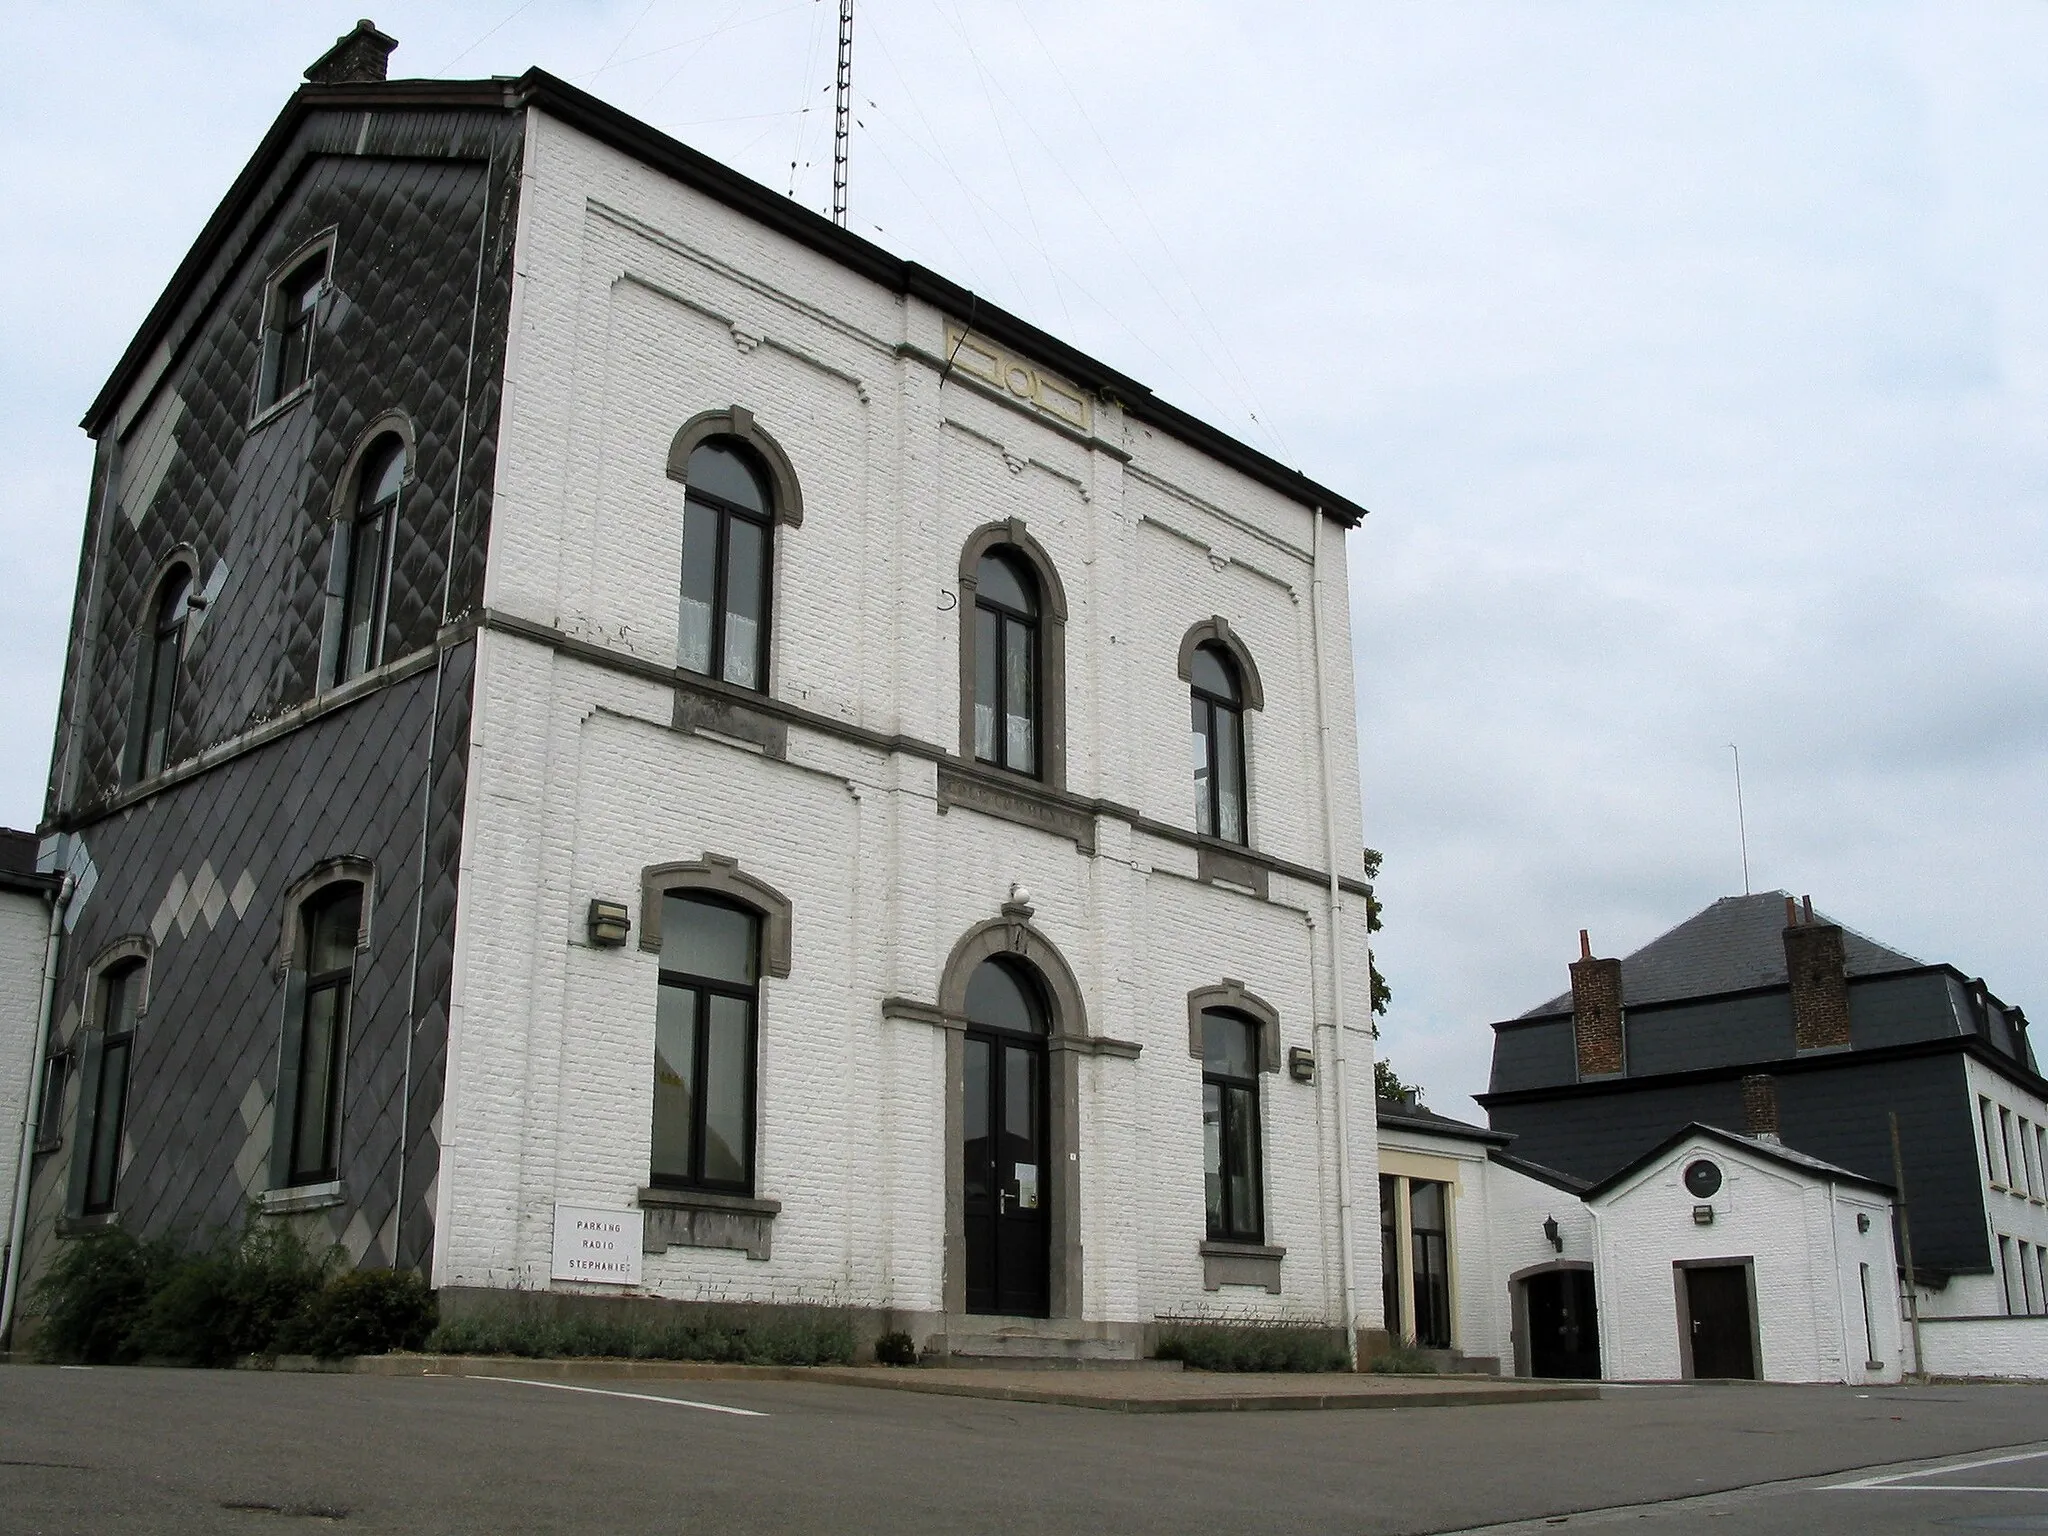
point(1301, 1063)
point(1703, 1215)
point(1863, 1221)
point(608, 923)
point(1551, 1232)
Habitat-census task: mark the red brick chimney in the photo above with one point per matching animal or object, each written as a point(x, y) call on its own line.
point(355, 57)
point(1760, 1106)
point(1596, 1013)
point(1818, 967)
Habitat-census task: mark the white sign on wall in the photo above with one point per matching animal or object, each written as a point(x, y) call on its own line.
point(597, 1245)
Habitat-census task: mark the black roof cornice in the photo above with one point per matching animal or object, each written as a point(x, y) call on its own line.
point(627, 134)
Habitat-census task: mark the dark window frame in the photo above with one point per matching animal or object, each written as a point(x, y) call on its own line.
point(703, 989)
point(97, 1137)
point(346, 582)
point(1234, 1093)
point(160, 667)
point(340, 981)
point(1206, 709)
point(285, 366)
point(1031, 622)
point(725, 510)
point(50, 1107)
point(1434, 1300)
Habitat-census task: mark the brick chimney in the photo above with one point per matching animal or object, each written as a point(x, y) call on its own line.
point(1760, 1106)
point(1818, 967)
point(355, 57)
point(1596, 1012)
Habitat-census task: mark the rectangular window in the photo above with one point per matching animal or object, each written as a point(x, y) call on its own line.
point(1230, 1127)
point(1994, 1172)
point(330, 930)
point(1869, 1329)
point(2015, 1172)
point(1429, 1211)
point(2015, 1298)
point(2040, 1278)
point(2029, 1281)
point(50, 1127)
point(120, 995)
point(1390, 1257)
point(704, 1047)
point(2027, 1157)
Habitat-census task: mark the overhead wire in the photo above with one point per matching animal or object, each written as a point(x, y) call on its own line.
point(684, 42)
point(517, 12)
point(702, 43)
point(803, 120)
point(623, 38)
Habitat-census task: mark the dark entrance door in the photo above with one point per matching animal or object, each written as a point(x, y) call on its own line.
point(1717, 1307)
point(1564, 1334)
point(1005, 1172)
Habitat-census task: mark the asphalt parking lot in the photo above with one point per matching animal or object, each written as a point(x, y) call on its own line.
point(187, 1451)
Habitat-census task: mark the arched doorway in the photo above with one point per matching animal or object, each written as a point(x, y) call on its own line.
point(1005, 1174)
point(1558, 1323)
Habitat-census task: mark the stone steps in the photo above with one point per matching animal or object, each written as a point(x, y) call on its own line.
point(1038, 1344)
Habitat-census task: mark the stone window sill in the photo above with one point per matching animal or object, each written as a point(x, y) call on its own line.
point(703, 1218)
point(302, 1197)
point(79, 1226)
point(1241, 1264)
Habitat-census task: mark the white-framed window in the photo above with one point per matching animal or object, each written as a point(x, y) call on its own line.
point(1994, 1171)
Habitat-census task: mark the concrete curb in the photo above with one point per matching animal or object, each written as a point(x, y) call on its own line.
point(1468, 1393)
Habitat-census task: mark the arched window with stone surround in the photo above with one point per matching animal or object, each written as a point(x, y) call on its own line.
point(728, 561)
point(1012, 655)
point(360, 575)
point(1216, 704)
point(160, 664)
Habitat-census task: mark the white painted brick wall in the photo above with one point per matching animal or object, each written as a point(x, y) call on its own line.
point(638, 305)
point(1993, 1347)
point(2014, 1189)
point(1802, 1236)
point(24, 928)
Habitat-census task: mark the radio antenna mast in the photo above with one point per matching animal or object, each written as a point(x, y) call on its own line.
point(1741, 821)
point(842, 113)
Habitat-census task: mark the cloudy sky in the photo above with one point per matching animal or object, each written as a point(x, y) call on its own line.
point(1693, 359)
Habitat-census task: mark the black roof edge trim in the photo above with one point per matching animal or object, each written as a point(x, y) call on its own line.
point(626, 133)
point(1823, 1061)
point(1541, 1174)
point(1521, 1021)
point(34, 885)
point(1764, 1150)
point(1440, 1125)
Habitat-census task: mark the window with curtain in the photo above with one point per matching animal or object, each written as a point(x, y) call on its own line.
point(330, 924)
point(105, 1099)
point(1230, 1127)
point(1216, 702)
point(704, 1045)
point(1006, 686)
point(361, 574)
point(728, 526)
point(161, 660)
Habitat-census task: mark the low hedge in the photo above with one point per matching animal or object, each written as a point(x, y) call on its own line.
point(1211, 1346)
point(823, 1336)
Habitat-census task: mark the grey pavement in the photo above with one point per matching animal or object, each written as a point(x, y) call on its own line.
point(185, 1451)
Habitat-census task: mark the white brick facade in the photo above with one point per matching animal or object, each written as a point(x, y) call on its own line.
point(24, 930)
point(638, 305)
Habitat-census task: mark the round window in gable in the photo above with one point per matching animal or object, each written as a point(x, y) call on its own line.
point(1702, 1178)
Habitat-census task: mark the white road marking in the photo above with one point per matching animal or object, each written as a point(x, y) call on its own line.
point(642, 1397)
point(1896, 1482)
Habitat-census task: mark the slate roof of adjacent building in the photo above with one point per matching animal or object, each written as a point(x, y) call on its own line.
point(1401, 1115)
point(1735, 944)
point(18, 864)
point(1756, 1146)
point(1569, 1183)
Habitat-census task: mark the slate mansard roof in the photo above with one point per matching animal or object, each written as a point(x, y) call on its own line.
point(620, 131)
point(1735, 944)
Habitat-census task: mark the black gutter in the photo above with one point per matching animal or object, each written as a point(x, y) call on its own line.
point(1827, 1171)
point(1819, 1061)
point(1439, 1125)
point(626, 133)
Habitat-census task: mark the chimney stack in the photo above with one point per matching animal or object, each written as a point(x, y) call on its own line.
point(1760, 1106)
point(1818, 967)
point(1596, 1013)
point(356, 57)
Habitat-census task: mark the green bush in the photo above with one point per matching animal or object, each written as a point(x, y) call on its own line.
point(1402, 1360)
point(895, 1349)
point(94, 1295)
point(237, 1296)
point(362, 1312)
point(1251, 1346)
point(821, 1337)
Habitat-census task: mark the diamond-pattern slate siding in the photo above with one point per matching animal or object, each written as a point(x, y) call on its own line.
point(422, 205)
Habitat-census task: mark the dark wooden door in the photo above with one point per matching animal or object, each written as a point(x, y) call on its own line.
point(1717, 1301)
point(1006, 1183)
point(1564, 1333)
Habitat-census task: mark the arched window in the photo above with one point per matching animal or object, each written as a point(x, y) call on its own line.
point(361, 575)
point(1231, 1172)
point(1216, 696)
point(330, 929)
point(104, 1102)
point(1006, 611)
point(1004, 1146)
point(161, 659)
point(728, 520)
point(704, 1044)
point(288, 328)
